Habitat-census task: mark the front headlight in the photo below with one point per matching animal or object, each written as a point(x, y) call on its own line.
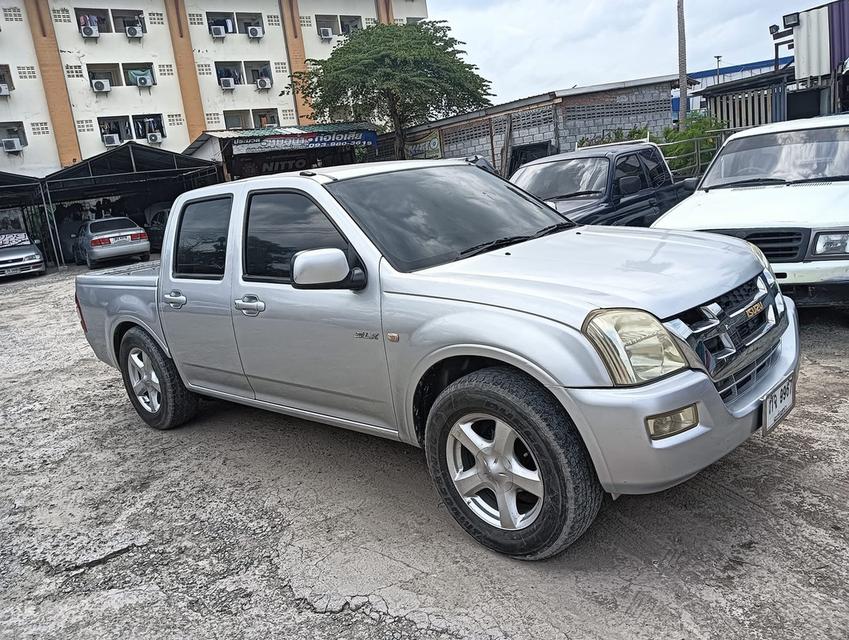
point(832, 244)
point(634, 345)
point(33, 256)
point(760, 256)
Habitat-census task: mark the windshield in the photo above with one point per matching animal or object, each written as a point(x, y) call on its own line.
point(549, 180)
point(424, 217)
point(111, 224)
point(792, 155)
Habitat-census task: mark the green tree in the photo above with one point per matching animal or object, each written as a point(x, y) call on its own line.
point(397, 75)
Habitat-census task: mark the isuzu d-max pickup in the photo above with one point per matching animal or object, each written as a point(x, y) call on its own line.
point(539, 363)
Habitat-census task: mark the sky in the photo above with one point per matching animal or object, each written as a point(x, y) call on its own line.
point(528, 47)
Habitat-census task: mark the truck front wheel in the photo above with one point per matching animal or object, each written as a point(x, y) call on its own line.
point(510, 465)
point(153, 383)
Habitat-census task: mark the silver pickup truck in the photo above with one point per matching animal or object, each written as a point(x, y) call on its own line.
point(538, 363)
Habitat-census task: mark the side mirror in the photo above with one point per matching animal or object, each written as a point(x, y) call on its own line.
point(689, 185)
point(325, 269)
point(37, 241)
point(73, 236)
point(629, 185)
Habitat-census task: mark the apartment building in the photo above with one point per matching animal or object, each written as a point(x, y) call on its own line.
point(78, 77)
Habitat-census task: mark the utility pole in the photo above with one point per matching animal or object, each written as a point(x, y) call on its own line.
point(682, 68)
point(718, 60)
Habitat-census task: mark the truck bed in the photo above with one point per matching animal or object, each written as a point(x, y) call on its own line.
point(109, 297)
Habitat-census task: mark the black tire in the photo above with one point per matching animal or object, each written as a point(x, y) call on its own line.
point(91, 264)
point(77, 260)
point(177, 404)
point(572, 494)
point(145, 257)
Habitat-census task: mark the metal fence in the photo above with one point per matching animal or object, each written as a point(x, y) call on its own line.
point(691, 157)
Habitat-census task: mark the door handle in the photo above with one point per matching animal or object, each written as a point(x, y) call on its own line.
point(250, 305)
point(175, 299)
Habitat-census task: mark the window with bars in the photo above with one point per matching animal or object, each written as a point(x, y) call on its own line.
point(472, 132)
point(26, 73)
point(85, 126)
point(156, 17)
point(40, 128)
point(74, 71)
point(287, 114)
point(400, 21)
point(196, 18)
point(272, 20)
point(281, 67)
point(13, 14)
point(370, 22)
point(61, 15)
point(204, 69)
point(306, 21)
point(213, 119)
point(592, 111)
point(175, 119)
point(166, 69)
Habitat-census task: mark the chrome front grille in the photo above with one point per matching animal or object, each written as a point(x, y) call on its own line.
point(778, 245)
point(11, 261)
point(735, 335)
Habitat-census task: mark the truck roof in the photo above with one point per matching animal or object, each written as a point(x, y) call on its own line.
point(598, 151)
point(841, 120)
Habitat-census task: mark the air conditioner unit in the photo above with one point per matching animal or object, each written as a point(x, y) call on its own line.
point(12, 145)
point(101, 86)
point(111, 139)
point(4, 90)
point(134, 32)
point(217, 31)
point(90, 32)
point(325, 34)
point(263, 83)
point(144, 81)
point(228, 84)
point(154, 138)
point(255, 32)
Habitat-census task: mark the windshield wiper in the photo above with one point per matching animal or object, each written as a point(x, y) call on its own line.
point(747, 182)
point(574, 194)
point(554, 228)
point(492, 244)
point(820, 179)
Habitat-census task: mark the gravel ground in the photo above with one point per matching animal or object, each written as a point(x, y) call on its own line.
point(245, 524)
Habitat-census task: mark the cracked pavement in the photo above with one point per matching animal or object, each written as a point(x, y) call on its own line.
point(246, 524)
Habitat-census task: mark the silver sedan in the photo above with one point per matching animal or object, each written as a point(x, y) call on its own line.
point(110, 239)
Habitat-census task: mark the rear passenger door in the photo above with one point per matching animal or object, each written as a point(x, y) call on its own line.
point(195, 298)
point(317, 350)
point(666, 194)
point(633, 209)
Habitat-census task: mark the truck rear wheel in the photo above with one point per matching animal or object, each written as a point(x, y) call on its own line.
point(153, 383)
point(510, 465)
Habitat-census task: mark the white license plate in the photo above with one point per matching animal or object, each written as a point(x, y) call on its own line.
point(117, 239)
point(778, 403)
point(12, 270)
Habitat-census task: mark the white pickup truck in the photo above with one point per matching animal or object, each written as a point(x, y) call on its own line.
point(538, 362)
point(785, 188)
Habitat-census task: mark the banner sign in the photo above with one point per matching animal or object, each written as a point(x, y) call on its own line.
point(423, 147)
point(313, 140)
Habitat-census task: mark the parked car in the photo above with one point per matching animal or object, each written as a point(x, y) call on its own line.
point(624, 183)
point(783, 187)
point(539, 363)
point(156, 229)
point(19, 254)
point(109, 239)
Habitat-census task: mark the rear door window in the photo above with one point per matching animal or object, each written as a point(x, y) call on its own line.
point(202, 239)
point(279, 225)
point(111, 224)
point(656, 168)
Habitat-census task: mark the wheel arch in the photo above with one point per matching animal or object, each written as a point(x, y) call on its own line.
point(119, 330)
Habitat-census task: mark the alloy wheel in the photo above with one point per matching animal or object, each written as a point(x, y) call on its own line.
point(143, 379)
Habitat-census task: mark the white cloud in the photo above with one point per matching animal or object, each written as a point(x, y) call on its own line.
point(526, 47)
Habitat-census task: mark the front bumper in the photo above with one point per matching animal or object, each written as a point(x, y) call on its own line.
point(628, 461)
point(22, 268)
point(123, 250)
point(818, 283)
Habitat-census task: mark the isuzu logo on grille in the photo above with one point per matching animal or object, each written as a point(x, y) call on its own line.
point(754, 310)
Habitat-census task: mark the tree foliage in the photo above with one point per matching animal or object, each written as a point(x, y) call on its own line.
point(395, 75)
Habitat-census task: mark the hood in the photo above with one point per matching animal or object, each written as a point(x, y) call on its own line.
point(18, 252)
point(812, 204)
point(566, 275)
point(573, 206)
